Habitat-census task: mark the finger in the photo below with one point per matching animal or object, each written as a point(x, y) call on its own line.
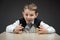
point(20, 28)
point(40, 32)
point(39, 29)
point(20, 25)
point(20, 32)
point(40, 26)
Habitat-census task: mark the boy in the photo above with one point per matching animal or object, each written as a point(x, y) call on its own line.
point(30, 22)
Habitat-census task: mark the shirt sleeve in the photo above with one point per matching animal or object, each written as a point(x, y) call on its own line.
point(11, 27)
point(48, 27)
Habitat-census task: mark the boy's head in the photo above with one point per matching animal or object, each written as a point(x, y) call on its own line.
point(30, 12)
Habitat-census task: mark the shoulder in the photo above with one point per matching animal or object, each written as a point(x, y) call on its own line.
point(38, 20)
point(21, 19)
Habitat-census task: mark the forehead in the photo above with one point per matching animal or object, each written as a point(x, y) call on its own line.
point(29, 11)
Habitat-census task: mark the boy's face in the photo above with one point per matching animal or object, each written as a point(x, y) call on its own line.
point(29, 15)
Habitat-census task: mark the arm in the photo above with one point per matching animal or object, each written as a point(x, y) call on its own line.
point(45, 28)
point(11, 27)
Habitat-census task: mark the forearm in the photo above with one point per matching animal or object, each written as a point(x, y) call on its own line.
point(11, 27)
point(49, 28)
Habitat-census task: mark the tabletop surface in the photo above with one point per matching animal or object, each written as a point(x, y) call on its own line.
point(29, 36)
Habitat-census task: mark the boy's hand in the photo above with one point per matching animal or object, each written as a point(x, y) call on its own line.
point(18, 29)
point(42, 30)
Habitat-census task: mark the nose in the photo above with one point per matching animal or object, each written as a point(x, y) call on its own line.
point(28, 16)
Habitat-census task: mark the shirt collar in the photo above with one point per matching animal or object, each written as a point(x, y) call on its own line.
point(32, 22)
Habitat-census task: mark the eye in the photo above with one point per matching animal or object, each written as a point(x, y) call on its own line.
point(31, 14)
point(26, 14)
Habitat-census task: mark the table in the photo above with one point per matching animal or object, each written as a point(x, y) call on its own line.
point(29, 36)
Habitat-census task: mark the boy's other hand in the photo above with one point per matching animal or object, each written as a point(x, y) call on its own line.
point(18, 29)
point(42, 30)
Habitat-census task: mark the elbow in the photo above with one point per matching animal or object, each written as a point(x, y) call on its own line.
point(51, 30)
point(9, 28)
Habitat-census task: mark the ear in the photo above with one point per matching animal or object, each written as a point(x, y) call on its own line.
point(23, 13)
point(36, 15)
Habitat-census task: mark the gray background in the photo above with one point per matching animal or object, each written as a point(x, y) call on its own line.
point(49, 12)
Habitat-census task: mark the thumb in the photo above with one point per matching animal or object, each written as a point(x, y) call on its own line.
point(20, 24)
point(39, 26)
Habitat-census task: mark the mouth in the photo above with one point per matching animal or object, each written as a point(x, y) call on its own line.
point(29, 21)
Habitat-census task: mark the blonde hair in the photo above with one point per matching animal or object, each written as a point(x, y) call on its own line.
point(31, 6)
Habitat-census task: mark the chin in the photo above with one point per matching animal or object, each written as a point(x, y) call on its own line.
point(29, 21)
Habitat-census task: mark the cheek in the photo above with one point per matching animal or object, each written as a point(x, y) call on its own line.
point(24, 16)
point(33, 17)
